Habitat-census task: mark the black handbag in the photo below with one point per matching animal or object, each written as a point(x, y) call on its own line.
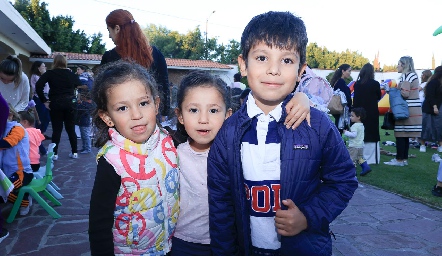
point(388, 123)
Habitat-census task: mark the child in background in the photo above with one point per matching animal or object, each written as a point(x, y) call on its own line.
point(35, 137)
point(356, 140)
point(274, 191)
point(85, 107)
point(134, 201)
point(15, 163)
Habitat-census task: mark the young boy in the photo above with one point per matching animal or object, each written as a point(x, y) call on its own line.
point(272, 190)
point(85, 107)
point(356, 140)
point(14, 160)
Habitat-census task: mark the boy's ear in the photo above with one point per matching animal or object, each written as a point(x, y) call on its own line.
point(228, 113)
point(179, 116)
point(106, 118)
point(301, 71)
point(242, 65)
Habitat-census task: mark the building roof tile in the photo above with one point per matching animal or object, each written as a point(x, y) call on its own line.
point(179, 63)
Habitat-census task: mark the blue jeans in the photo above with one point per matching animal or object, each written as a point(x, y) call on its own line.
point(85, 132)
point(43, 114)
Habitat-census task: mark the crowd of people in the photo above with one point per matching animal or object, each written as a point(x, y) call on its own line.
point(423, 124)
point(227, 180)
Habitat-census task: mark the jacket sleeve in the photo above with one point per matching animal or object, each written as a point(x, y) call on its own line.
point(338, 180)
point(223, 234)
point(431, 90)
point(14, 136)
point(162, 78)
point(24, 97)
point(102, 206)
point(76, 80)
point(378, 90)
point(40, 85)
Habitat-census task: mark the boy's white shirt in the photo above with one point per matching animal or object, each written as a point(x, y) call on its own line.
point(356, 135)
point(260, 163)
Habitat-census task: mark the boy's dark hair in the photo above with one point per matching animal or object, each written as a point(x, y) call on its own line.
point(196, 79)
point(276, 29)
point(109, 76)
point(359, 112)
point(27, 115)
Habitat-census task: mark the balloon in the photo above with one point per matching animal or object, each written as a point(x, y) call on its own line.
point(437, 31)
point(384, 104)
point(391, 83)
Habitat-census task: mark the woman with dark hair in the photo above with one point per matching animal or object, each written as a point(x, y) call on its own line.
point(14, 84)
point(61, 101)
point(431, 107)
point(367, 93)
point(133, 45)
point(38, 68)
point(338, 82)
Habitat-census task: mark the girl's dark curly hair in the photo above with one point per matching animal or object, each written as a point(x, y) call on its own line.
point(109, 76)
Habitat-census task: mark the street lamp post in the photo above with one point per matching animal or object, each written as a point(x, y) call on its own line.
point(206, 50)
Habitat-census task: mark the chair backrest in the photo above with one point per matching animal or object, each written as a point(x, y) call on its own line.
point(48, 174)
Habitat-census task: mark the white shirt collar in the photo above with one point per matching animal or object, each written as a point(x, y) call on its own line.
point(253, 110)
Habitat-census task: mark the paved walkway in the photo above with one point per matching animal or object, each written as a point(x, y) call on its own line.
point(375, 222)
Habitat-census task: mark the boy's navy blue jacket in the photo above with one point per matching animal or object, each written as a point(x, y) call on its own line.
point(317, 174)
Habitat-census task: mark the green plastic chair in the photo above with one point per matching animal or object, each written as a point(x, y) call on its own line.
point(33, 188)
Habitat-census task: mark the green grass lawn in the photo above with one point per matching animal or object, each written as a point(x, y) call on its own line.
point(414, 181)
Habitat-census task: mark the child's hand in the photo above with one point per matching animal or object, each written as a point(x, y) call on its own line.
point(345, 130)
point(298, 109)
point(290, 222)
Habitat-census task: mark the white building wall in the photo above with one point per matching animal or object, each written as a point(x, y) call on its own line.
point(377, 76)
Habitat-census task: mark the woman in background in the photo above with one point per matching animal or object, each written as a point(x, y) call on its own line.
point(14, 84)
point(61, 101)
point(367, 93)
point(338, 82)
point(38, 68)
point(426, 74)
point(431, 117)
point(412, 126)
point(133, 45)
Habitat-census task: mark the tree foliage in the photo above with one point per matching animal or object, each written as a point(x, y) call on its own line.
point(191, 45)
point(322, 58)
point(57, 32)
